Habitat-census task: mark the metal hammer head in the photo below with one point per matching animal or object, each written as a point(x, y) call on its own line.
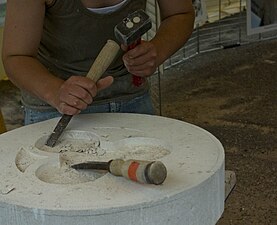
point(132, 27)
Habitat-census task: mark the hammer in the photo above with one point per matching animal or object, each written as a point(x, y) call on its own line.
point(129, 32)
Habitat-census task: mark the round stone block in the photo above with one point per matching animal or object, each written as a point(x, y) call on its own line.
point(37, 186)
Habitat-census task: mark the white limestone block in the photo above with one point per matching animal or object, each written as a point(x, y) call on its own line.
point(36, 189)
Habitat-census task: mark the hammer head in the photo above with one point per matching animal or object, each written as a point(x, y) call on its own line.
point(131, 28)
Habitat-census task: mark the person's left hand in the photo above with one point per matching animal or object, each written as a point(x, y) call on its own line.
point(142, 60)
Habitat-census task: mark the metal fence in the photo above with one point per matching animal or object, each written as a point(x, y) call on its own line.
point(225, 26)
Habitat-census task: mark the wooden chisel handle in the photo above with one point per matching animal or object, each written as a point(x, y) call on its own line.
point(99, 66)
point(103, 60)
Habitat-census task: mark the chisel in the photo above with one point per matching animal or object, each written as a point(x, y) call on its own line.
point(100, 65)
point(147, 172)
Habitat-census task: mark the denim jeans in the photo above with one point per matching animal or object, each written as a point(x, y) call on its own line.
point(141, 104)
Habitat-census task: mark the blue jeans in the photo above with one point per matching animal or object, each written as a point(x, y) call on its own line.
point(141, 104)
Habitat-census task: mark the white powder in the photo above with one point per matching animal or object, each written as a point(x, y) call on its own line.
point(77, 147)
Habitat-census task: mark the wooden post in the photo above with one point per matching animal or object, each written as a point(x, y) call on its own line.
point(2, 124)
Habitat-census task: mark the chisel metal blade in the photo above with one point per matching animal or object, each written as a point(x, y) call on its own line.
point(62, 124)
point(91, 165)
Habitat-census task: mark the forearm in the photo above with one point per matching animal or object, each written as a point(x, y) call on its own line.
point(172, 34)
point(68, 97)
point(28, 74)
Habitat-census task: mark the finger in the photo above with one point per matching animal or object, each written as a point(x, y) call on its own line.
point(140, 50)
point(78, 92)
point(75, 102)
point(124, 47)
point(148, 59)
point(142, 67)
point(84, 94)
point(136, 52)
point(104, 83)
point(68, 110)
point(86, 84)
point(83, 88)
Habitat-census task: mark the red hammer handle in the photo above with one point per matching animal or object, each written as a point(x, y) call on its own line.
point(137, 81)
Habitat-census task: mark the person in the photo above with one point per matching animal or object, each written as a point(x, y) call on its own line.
point(49, 46)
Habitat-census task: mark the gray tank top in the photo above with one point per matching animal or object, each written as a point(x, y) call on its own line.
point(71, 40)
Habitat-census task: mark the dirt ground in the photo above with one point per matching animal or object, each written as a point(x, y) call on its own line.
point(232, 93)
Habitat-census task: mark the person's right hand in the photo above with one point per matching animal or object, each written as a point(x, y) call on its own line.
point(76, 93)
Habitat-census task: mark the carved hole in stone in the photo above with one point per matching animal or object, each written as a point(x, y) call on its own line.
point(73, 141)
point(142, 148)
point(81, 146)
point(24, 159)
point(54, 174)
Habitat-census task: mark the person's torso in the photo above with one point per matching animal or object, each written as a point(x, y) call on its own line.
point(73, 35)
